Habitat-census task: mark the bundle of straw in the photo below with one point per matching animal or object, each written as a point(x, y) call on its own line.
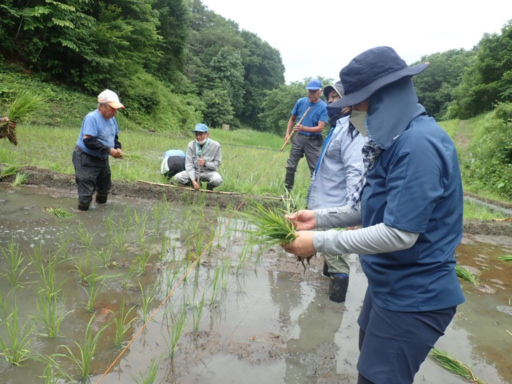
point(25, 104)
point(506, 257)
point(453, 365)
point(59, 212)
point(464, 274)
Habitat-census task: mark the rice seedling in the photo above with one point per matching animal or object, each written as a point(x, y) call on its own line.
point(224, 273)
point(104, 255)
point(16, 348)
point(81, 267)
point(171, 276)
point(83, 359)
point(272, 227)
point(95, 286)
point(9, 170)
point(455, 366)
point(151, 375)
point(117, 231)
point(84, 236)
point(61, 213)
point(215, 285)
point(179, 323)
point(147, 298)
point(128, 278)
point(21, 178)
point(506, 257)
point(141, 262)
point(197, 313)
point(51, 311)
point(14, 258)
point(24, 105)
point(4, 306)
point(464, 274)
point(62, 250)
point(122, 324)
point(140, 224)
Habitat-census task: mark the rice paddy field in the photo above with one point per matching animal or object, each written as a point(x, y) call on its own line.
point(75, 289)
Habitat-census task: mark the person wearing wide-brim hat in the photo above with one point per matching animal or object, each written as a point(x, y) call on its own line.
point(204, 157)
point(409, 203)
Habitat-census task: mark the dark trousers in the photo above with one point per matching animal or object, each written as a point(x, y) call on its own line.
point(91, 174)
point(394, 344)
point(302, 146)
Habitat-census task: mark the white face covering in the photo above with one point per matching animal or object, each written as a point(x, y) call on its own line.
point(201, 142)
point(358, 119)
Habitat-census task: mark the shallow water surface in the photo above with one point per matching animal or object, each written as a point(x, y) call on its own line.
point(264, 319)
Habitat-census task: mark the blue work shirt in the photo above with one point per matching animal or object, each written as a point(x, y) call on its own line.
point(318, 112)
point(416, 186)
point(96, 126)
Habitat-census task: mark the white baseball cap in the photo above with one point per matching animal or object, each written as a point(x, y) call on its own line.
point(111, 98)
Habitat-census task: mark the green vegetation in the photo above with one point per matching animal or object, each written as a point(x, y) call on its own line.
point(272, 227)
point(59, 212)
point(123, 324)
point(21, 178)
point(150, 376)
point(506, 257)
point(479, 212)
point(16, 348)
point(464, 274)
point(14, 258)
point(455, 366)
point(24, 105)
point(83, 359)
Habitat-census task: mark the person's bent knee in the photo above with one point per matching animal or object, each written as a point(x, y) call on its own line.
point(182, 178)
point(216, 180)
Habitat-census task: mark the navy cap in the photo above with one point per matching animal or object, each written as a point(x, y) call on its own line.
point(314, 85)
point(370, 71)
point(201, 128)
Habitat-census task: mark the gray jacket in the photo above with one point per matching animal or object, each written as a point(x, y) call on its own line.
point(212, 155)
point(339, 168)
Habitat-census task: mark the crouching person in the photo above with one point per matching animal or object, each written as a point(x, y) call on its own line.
point(204, 158)
point(173, 163)
point(97, 141)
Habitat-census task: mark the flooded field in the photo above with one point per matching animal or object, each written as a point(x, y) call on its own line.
point(240, 316)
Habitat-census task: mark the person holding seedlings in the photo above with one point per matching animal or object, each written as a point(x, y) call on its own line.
point(5, 119)
point(97, 140)
point(173, 163)
point(336, 176)
point(204, 158)
point(308, 140)
point(410, 204)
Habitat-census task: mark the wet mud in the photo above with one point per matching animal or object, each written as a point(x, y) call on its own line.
point(271, 322)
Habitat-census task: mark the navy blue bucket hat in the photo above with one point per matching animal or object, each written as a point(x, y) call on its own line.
point(370, 71)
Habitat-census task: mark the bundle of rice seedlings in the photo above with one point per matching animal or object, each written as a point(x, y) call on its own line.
point(506, 257)
point(272, 228)
point(9, 171)
point(25, 104)
point(21, 178)
point(59, 212)
point(464, 274)
point(453, 365)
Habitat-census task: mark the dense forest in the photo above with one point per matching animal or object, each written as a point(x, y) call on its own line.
point(166, 58)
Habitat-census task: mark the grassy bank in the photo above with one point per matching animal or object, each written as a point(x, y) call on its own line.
point(242, 165)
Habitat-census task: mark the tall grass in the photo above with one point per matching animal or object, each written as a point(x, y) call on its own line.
point(16, 347)
point(86, 350)
point(14, 258)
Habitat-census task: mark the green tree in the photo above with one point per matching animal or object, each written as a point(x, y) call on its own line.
point(218, 107)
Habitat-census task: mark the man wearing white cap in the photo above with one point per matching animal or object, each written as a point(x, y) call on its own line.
point(97, 140)
point(204, 158)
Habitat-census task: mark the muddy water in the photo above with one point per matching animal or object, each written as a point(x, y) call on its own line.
point(269, 321)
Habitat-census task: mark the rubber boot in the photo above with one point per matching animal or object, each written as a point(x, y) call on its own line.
point(83, 206)
point(289, 180)
point(209, 187)
point(338, 287)
point(325, 271)
point(101, 199)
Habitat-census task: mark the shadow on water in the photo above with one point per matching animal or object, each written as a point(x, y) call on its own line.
point(241, 316)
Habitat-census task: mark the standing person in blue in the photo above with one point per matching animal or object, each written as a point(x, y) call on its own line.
point(173, 163)
point(336, 177)
point(204, 157)
point(410, 205)
point(98, 139)
point(308, 139)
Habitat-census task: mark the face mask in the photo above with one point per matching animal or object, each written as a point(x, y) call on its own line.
point(201, 142)
point(358, 119)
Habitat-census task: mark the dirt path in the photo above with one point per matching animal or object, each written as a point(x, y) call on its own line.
point(64, 182)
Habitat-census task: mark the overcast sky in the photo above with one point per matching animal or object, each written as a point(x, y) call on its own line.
point(319, 37)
